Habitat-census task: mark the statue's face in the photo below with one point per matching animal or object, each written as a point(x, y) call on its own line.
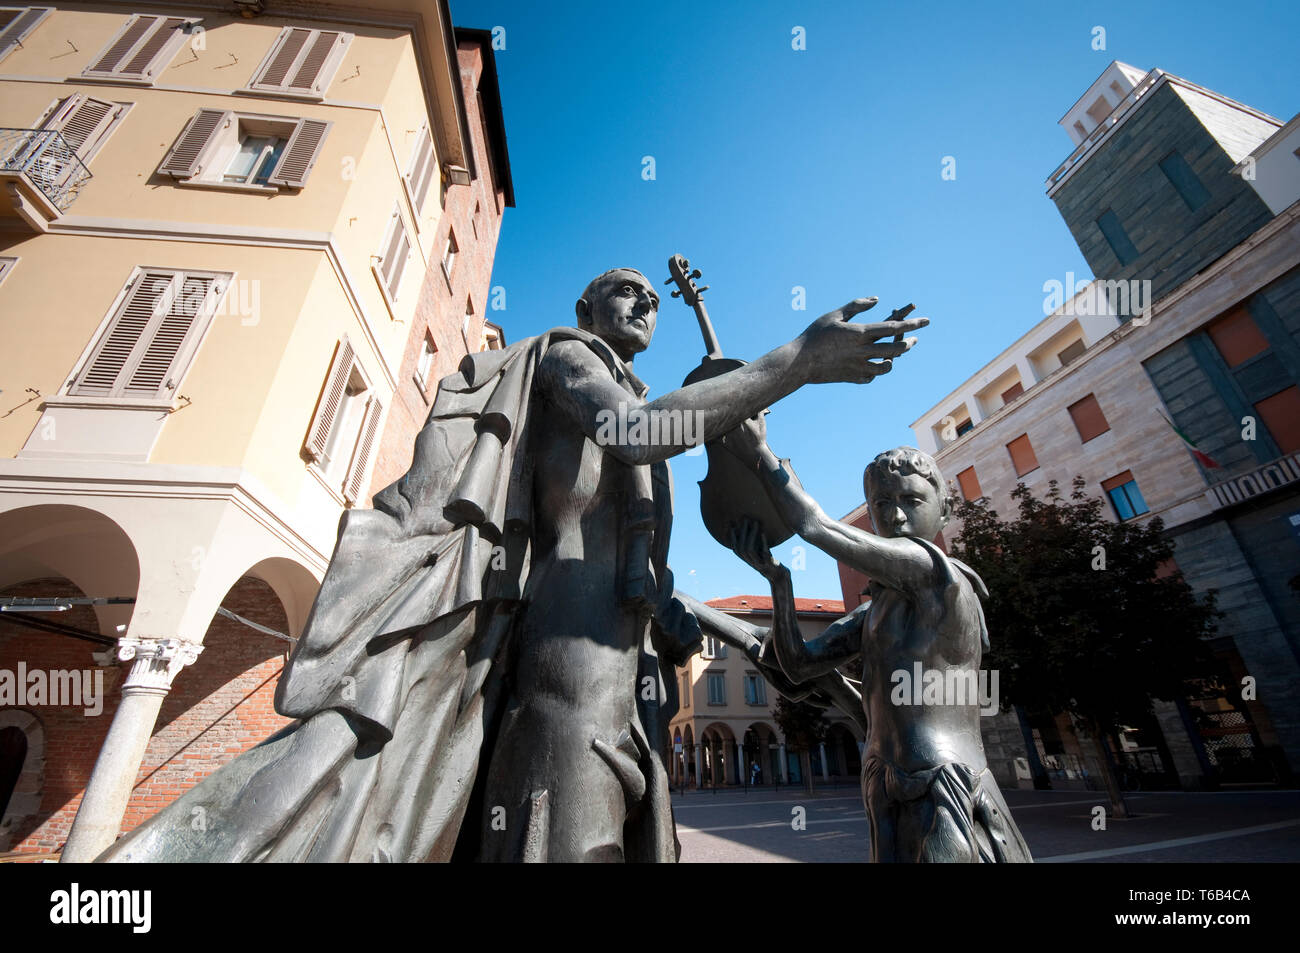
point(623, 312)
point(906, 506)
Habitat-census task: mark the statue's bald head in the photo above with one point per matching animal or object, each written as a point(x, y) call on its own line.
point(620, 307)
point(596, 284)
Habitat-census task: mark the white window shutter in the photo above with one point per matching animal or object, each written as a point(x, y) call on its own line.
point(137, 50)
point(20, 27)
point(331, 400)
point(388, 257)
point(422, 167)
point(276, 69)
point(157, 372)
point(150, 293)
point(301, 61)
point(300, 153)
point(355, 483)
point(310, 74)
point(401, 252)
point(85, 122)
point(185, 158)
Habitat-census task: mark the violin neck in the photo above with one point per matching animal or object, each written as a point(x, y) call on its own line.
point(711, 344)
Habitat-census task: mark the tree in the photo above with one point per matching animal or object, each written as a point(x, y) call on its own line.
point(1078, 618)
point(804, 727)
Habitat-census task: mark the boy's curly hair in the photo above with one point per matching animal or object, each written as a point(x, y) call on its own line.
point(905, 461)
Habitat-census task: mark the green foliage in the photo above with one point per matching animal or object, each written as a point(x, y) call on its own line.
point(1066, 635)
point(803, 725)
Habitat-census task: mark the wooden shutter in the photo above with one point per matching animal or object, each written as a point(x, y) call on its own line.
point(400, 254)
point(1022, 455)
point(969, 483)
point(17, 28)
point(331, 399)
point(136, 51)
point(1117, 481)
point(1088, 418)
point(422, 168)
point(354, 484)
point(184, 159)
point(149, 294)
point(1012, 392)
point(302, 61)
point(158, 371)
point(300, 154)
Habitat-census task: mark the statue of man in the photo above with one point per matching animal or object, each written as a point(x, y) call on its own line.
point(483, 672)
point(927, 788)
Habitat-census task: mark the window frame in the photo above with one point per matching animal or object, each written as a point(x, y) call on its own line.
point(720, 680)
point(325, 75)
point(229, 128)
point(390, 288)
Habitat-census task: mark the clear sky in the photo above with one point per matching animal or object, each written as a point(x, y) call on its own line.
point(821, 168)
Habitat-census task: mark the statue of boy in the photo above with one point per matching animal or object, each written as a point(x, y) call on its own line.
point(927, 788)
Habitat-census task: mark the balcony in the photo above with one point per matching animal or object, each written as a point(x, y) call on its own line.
point(42, 175)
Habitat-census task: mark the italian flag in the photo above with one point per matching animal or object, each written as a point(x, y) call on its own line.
point(1204, 459)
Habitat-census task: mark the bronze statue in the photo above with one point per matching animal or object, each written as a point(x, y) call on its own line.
point(928, 791)
point(487, 670)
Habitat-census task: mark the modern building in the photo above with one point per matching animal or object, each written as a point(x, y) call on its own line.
point(1171, 384)
point(239, 244)
point(725, 723)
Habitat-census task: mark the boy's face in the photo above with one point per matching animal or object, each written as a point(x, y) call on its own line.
point(906, 506)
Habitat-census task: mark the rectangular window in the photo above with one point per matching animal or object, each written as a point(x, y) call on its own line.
point(1012, 392)
point(395, 252)
point(714, 648)
point(1281, 415)
point(424, 365)
point(59, 163)
point(965, 427)
point(449, 251)
point(302, 62)
point(1124, 495)
point(344, 430)
point(1117, 238)
point(755, 692)
point(1088, 418)
point(686, 691)
point(141, 49)
point(1184, 180)
point(1022, 455)
point(969, 483)
point(151, 339)
point(218, 147)
point(16, 24)
point(717, 688)
point(1071, 352)
point(424, 165)
point(1236, 336)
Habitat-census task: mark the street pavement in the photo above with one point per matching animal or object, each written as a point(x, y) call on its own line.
point(758, 826)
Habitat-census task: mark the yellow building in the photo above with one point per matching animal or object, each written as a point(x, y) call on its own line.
point(239, 242)
point(725, 724)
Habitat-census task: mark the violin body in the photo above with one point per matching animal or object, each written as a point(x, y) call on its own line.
point(732, 491)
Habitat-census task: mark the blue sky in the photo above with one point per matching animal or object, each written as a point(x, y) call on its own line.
point(820, 168)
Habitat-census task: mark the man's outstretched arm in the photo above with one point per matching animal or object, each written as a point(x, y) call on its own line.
point(832, 349)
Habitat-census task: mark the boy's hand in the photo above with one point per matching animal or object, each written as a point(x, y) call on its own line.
point(747, 542)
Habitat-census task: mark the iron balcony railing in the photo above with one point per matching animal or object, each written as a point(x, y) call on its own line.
point(49, 163)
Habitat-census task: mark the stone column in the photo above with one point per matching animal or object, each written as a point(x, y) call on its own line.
point(155, 663)
point(785, 765)
point(821, 749)
point(699, 765)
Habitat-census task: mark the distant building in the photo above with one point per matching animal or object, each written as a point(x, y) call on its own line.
point(725, 724)
point(238, 249)
point(1183, 202)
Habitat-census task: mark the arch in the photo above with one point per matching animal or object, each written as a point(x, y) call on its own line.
point(762, 747)
point(24, 802)
point(843, 757)
point(82, 545)
point(294, 585)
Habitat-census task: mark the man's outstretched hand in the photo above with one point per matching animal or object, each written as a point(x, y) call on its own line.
point(835, 349)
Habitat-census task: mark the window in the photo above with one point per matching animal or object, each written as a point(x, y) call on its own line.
point(392, 259)
point(424, 365)
point(301, 63)
point(1022, 455)
point(223, 148)
point(714, 648)
point(686, 691)
point(1184, 180)
point(152, 336)
point(424, 164)
point(1012, 392)
point(1070, 352)
point(1099, 110)
point(1124, 496)
point(755, 692)
point(17, 23)
point(965, 427)
point(493, 339)
point(6, 266)
point(1281, 415)
point(449, 251)
point(717, 688)
point(1237, 337)
point(1088, 418)
point(141, 49)
point(342, 436)
point(1117, 238)
point(970, 484)
point(83, 124)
